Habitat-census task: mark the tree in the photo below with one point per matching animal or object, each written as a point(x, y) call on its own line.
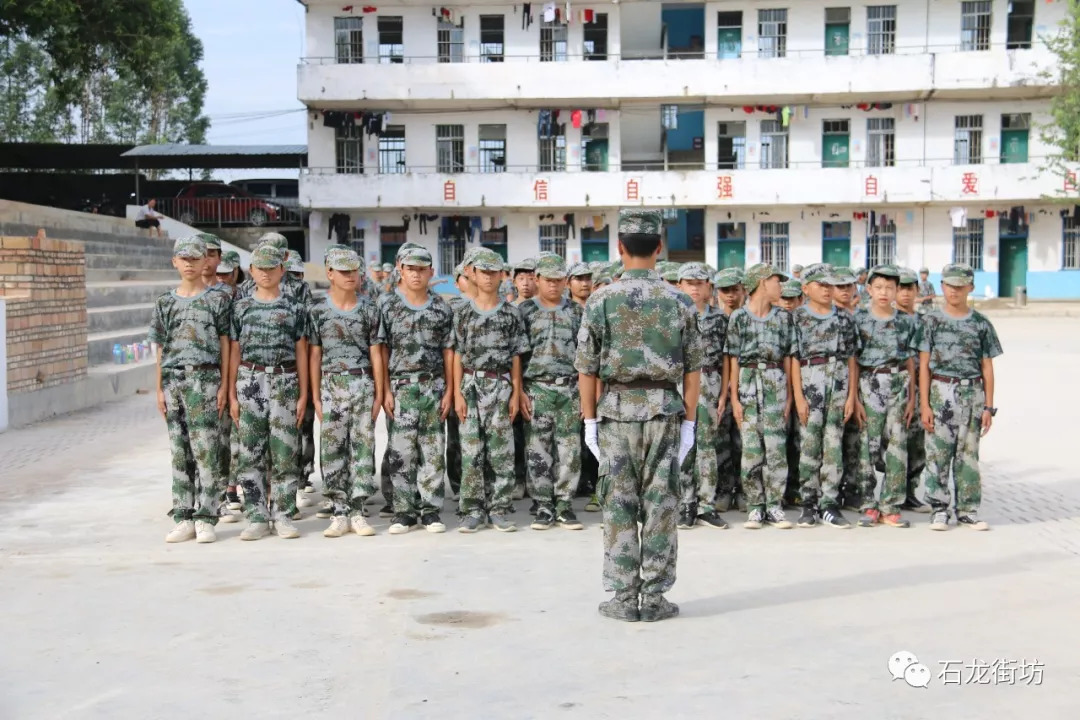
point(1062, 133)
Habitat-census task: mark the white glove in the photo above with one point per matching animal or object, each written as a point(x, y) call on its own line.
point(686, 439)
point(591, 441)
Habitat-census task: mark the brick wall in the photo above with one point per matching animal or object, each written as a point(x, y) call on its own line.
point(44, 283)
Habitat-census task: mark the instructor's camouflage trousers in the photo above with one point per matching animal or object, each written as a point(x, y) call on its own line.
point(728, 460)
point(191, 416)
point(268, 435)
point(347, 441)
point(884, 440)
point(763, 394)
point(699, 475)
point(954, 446)
point(487, 436)
point(552, 444)
point(307, 443)
point(821, 456)
point(416, 442)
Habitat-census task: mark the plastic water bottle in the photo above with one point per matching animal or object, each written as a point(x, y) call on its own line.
point(130, 353)
point(118, 354)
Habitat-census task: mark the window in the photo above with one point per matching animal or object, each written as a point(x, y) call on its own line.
point(392, 150)
point(967, 141)
point(391, 40)
point(839, 230)
point(349, 39)
point(968, 244)
point(1021, 17)
point(836, 135)
point(553, 239)
point(772, 33)
point(451, 252)
point(492, 148)
point(729, 34)
point(669, 117)
point(594, 147)
point(881, 244)
point(596, 37)
point(774, 144)
point(1014, 137)
point(451, 41)
point(880, 142)
point(552, 42)
point(881, 30)
point(553, 152)
point(349, 149)
point(975, 25)
point(774, 245)
point(491, 38)
point(450, 148)
point(837, 30)
point(1070, 238)
point(731, 150)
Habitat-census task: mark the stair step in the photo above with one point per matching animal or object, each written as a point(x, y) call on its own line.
point(117, 317)
point(120, 274)
point(129, 262)
point(126, 249)
point(126, 292)
point(100, 344)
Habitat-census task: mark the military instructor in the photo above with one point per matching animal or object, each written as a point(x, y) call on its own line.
point(638, 340)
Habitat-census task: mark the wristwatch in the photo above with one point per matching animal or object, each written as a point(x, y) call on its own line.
point(991, 410)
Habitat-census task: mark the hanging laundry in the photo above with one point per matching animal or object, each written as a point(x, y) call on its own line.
point(526, 16)
point(597, 222)
point(785, 116)
point(370, 9)
point(958, 215)
point(575, 118)
point(587, 16)
point(568, 14)
point(549, 12)
point(601, 116)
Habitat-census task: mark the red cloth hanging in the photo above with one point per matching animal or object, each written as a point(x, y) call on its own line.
point(575, 118)
point(347, 8)
point(588, 16)
point(370, 9)
point(748, 109)
point(990, 213)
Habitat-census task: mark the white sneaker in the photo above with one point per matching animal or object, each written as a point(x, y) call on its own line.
point(234, 505)
point(227, 517)
point(309, 488)
point(184, 531)
point(255, 531)
point(204, 532)
point(360, 525)
point(285, 529)
point(303, 501)
point(339, 525)
point(297, 515)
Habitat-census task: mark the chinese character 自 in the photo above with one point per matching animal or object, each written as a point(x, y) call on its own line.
point(449, 190)
point(723, 188)
point(632, 190)
point(971, 183)
point(950, 675)
point(540, 190)
point(871, 185)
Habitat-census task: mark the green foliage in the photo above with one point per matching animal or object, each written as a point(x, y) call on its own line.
point(1062, 133)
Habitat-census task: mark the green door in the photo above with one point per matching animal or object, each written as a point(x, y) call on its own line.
point(836, 251)
point(836, 39)
point(1012, 265)
point(834, 150)
point(389, 253)
point(499, 248)
point(594, 252)
point(731, 253)
point(1014, 146)
point(729, 43)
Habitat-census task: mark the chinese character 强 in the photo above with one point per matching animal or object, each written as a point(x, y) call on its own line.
point(971, 183)
point(871, 185)
point(1070, 181)
point(723, 187)
point(632, 190)
point(449, 190)
point(540, 190)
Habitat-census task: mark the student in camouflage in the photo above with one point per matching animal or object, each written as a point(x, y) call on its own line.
point(213, 258)
point(825, 388)
point(581, 288)
point(290, 287)
point(453, 425)
point(791, 297)
point(639, 337)
point(347, 384)
point(729, 292)
point(190, 328)
point(957, 347)
point(926, 289)
point(699, 474)
point(294, 268)
point(550, 402)
point(844, 300)
point(268, 394)
point(761, 342)
point(886, 398)
point(489, 340)
point(580, 283)
point(417, 325)
point(524, 279)
point(916, 460)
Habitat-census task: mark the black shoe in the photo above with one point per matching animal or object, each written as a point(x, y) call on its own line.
point(432, 523)
point(657, 607)
point(386, 511)
point(914, 504)
point(712, 519)
point(232, 497)
point(621, 608)
point(687, 518)
point(568, 520)
point(807, 518)
point(534, 507)
point(402, 524)
point(544, 519)
point(832, 517)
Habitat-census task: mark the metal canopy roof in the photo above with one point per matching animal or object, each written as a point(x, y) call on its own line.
point(180, 156)
point(63, 156)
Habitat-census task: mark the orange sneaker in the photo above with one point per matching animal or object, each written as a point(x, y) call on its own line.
point(870, 518)
point(895, 520)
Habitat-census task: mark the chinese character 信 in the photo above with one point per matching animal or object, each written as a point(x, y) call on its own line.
point(871, 185)
point(449, 190)
point(971, 183)
point(1031, 673)
point(723, 188)
point(632, 190)
point(979, 673)
point(540, 190)
point(951, 675)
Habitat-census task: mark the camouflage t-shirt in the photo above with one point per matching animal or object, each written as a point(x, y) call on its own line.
point(957, 346)
point(290, 287)
point(552, 336)
point(268, 331)
point(639, 328)
point(489, 340)
point(457, 302)
point(189, 329)
point(345, 336)
point(754, 339)
point(506, 287)
point(832, 334)
point(713, 325)
point(416, 336)
point(882, 342)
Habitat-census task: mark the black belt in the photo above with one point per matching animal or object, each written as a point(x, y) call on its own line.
point(762, 366)
point(269, 369)
point(487, 374)
point(957, 381)
point(891, 369)
point(710, 368)
point(817, 360)
point(641, 385)
point(567, 380)
point(355, 371)
point(193, 368)
point(415, 377)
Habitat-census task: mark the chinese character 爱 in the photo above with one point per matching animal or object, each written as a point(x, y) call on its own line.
point(971, 183)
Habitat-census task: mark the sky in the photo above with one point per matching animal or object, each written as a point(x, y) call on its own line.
point(250, 52)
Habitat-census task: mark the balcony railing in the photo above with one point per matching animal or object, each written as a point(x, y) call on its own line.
point(231, 212)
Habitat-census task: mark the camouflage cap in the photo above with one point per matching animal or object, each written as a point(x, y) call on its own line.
point(293, 262)
point(578, 269)
point(342, 259)
point(213, 242)
point(405, 247)
point(419, 256)
point(694, 271)
point(670, 271)
point(756, 273)
point(525, 265)
point(386, 267)
point(273, 239)
point(819, 273)
point(791, 289)
point(884, 270)
point(908, 276)
point(924, 269)
point(230, 260)
point(267, 256)
point(640, 222)
point(958, 275)
point(797, 268)
point(551, 266)
point(729, 277)
point(459, 270)
point(843, 275)
point(486, 259)
point(191, 247)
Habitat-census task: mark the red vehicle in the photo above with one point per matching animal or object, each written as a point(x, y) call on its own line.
point(210, 203)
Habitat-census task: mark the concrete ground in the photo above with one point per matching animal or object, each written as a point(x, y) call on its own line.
point(102, 619)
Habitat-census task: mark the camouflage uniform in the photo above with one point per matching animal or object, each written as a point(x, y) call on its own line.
point(347, 433)
point(189, 331)
point(551, 383)
point(416, 337)
point(849, 479)
point(826, 343)
point(916, 446)
point(453, 424)
point(729, 442)
point(760, 345)
point(884, 346)
point(639, 336)
point(294, 265)
point(957, 347)
point(267, 390)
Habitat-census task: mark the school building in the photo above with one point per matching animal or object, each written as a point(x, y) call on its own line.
point(784, 132)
